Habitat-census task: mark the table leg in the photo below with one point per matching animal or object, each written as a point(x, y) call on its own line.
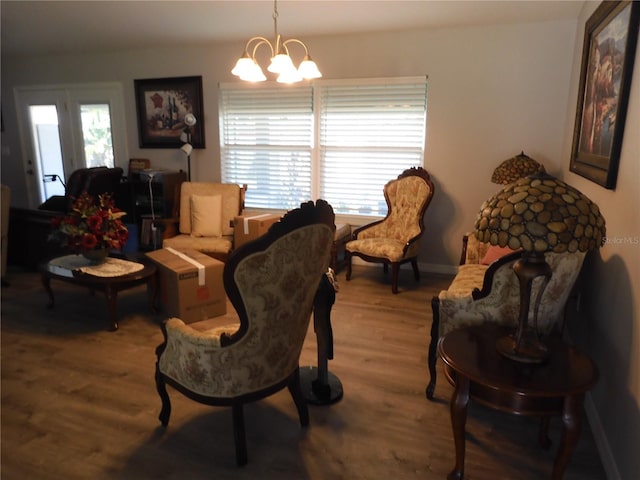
point(543, 433)
point(46, 282)
point(112, 304)
point(571, 423)
point(152, 292)
point(458, 406)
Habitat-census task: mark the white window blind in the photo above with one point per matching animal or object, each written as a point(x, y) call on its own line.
point(369, 134)
point(367, 131)
point(266, 139)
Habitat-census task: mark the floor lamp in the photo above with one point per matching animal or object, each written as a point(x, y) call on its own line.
point(187, 148)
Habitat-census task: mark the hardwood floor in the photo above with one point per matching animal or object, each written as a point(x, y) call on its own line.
point(79, 402)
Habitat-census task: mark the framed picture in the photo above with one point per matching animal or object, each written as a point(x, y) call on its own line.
point(609, 48)
point(162, 104)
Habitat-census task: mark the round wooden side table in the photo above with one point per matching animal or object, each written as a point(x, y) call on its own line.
point(477, 371)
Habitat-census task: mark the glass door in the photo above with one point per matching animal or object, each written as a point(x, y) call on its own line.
point(47, 148)
point(67, 128)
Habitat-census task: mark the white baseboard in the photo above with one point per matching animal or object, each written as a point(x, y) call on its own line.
point(423, 267)
point(602, 444)
point(438, 268)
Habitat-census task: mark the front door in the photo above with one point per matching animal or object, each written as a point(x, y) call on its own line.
point(66, 128)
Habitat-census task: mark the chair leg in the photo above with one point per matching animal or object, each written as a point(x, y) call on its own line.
point(416, 272)
point(239, 434)
point(395, 273)
point(347, 260)
point(161, 387)
point(296, 393)
point(433, 354)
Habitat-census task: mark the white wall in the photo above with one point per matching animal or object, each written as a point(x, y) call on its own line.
point(493, 91)
point(609, 328)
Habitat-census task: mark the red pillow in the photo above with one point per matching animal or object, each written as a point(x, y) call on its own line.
point(494, 253)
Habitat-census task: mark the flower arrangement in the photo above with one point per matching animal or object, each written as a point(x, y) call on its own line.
point(92, 224)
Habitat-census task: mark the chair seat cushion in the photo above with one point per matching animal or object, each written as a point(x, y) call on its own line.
point(202, 244)
point(388, 248)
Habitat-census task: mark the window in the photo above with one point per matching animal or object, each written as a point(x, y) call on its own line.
point(337, 140)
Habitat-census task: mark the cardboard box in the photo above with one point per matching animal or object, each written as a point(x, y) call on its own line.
point(190, 284)
point(250, 227)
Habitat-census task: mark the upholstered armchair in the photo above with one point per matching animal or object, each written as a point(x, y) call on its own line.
point(395, 239)
point(206, 218)
point(272, 283)
point(94, 181)
point(486, 289)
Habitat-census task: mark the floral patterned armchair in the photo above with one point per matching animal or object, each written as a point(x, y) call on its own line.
point(272, 283)
point(395, 239)
point(488, 291)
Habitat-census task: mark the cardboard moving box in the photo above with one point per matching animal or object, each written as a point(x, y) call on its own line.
point(250, 227)
point(190, 284)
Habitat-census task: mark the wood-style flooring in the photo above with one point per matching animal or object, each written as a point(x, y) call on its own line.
point(79, 402)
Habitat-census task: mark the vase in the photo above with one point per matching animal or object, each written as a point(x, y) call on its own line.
point(96, 257)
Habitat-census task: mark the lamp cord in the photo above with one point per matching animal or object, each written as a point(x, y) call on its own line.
point(153, 214)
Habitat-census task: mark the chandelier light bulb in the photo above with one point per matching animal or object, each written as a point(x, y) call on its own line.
point(248, 69)
point(308, 69)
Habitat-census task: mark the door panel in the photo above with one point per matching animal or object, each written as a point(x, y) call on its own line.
point(44, 131)
point(63, 128)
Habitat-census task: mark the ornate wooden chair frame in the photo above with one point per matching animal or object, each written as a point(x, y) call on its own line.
point(411, 248)
point(251, 296)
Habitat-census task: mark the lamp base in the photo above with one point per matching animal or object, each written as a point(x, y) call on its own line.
point(529, 350)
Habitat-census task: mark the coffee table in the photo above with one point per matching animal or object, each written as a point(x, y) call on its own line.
point(109, 285)
point(478, 371)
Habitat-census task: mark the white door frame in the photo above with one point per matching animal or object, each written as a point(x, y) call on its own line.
point(68, 98)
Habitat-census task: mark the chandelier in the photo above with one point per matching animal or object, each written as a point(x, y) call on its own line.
point(247, 67)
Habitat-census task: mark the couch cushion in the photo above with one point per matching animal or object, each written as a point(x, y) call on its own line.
point(469, 277)
point(495, 252)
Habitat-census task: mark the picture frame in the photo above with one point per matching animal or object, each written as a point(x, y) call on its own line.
point(161, 105)
point(608, 53)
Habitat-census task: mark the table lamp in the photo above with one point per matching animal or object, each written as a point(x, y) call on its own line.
point(537, 214)
point(514, 168)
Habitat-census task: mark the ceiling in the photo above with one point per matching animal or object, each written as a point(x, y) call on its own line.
point(58, 27)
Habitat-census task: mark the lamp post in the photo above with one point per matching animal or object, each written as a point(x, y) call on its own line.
point(187, 148)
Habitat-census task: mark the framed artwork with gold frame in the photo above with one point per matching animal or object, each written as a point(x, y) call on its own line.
point(608, 54)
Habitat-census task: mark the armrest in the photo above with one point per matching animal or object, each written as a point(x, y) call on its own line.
point(495, 269)
point(356, 232)
point(473, 250)
point(181, 335)
point(191, 357)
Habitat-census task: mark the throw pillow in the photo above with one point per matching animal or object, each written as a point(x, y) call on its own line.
point(206, 215)
point(494, 252)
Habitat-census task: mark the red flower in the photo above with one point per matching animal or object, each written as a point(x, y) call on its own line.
point(95, 222)
point(91, 224)
point(89, 241)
